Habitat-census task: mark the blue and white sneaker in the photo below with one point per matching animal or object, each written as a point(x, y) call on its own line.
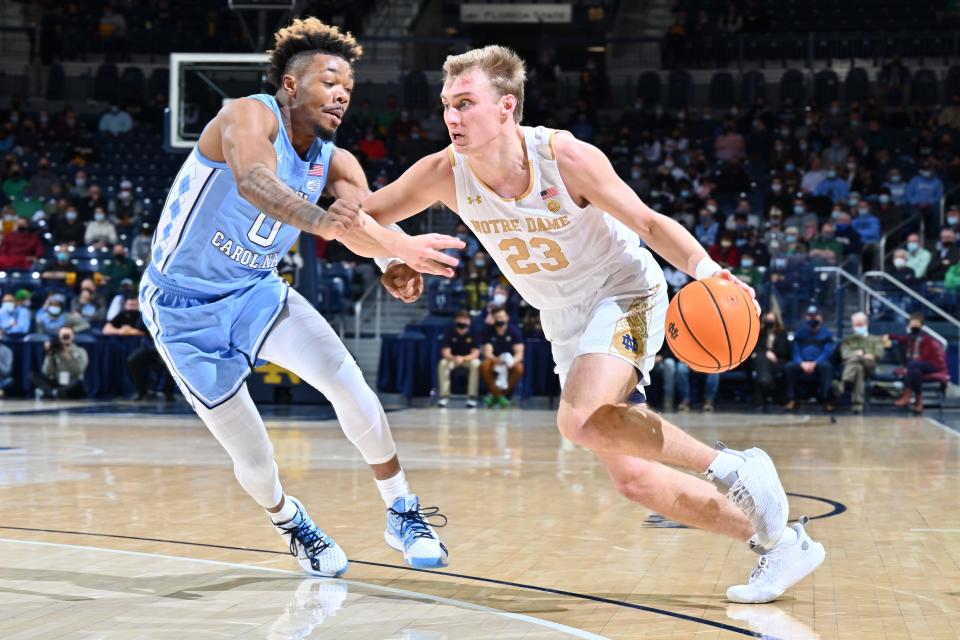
point(316, 552)
point(407, 531)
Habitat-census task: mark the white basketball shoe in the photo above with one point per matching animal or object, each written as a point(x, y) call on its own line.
point(315, 600)
point(753, 485)
point(780, 568)
point(316, 552)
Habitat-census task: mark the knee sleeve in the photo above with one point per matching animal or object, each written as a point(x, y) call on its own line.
point(238, 427)
point(360, 413)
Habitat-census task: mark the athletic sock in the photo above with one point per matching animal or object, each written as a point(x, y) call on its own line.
point(393, 488)
point(286, 513)
point(723, 470)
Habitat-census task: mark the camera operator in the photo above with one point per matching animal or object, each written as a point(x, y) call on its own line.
point(61, 375)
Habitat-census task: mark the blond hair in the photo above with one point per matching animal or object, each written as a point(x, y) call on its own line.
point(505, 70)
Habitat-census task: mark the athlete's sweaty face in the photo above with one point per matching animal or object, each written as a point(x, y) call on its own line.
point(323, 85)
point(473, 112)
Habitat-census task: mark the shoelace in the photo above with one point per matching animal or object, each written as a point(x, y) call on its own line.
point(760, 570)
point(413, 522)
point(307, 534)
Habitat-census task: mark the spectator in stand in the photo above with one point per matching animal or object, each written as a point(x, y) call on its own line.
point(711, 385)
point(372, 147)
point(68, 229)
point(952, 218)
point(950, 115)
point(100, 231)
point(44, 180)
point(94, 199)
point(51, 316)
point(834, 186)
point(813, 176)
point(925, 190)
point(122, 268)
point(813, 347)
point(918, 258)
point(729, 145)
point(124, 292)
point(866, 224)
point(140, 248)
point(113, 31)
point(859, 353)
point(902, 271)
point(825, 248)
point(887, 210)
point(847, 236)
point(502, 366)
point(124, 208)
point(80, 189)
point(15, 184)
point(85, 309)
point(115, 122)
point(897, 187)
point(141, 363)
point(21, 248)
point(769, 358)
point(748, 271)
point(460, 350)
point(947, 255)
point(731, 21)
point(128, 322)
point(836, 154)
point(62, 271)
point(893, 78)
point(61, 375)
point(707, 229)
point(14, 319)
point(924, 357)
point(725, 252)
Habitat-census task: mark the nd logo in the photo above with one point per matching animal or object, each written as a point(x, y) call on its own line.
point(273, 374)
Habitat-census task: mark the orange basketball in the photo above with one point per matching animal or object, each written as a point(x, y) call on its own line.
point(712, 325)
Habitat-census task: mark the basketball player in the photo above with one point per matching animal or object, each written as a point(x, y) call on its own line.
point(565, 230)
point(215, 306)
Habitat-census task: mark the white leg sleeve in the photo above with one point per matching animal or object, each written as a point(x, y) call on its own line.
point(304, 343)
point(238, 427)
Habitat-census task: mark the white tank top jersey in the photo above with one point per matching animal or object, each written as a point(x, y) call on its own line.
point(554, 252)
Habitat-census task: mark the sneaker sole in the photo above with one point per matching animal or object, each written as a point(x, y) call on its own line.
point(326, 575)
point(784, 501)
point(419, 563)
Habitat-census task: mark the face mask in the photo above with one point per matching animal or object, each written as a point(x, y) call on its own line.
point(726, 244)
point(790, 166)
point(44, 119)
point(914, 331)
point(835, 214)
point(851, 168)
point(769, 323)
point(500, 323)
point(953, 220)
point(684, 194)
point(776, 187)
point(634, 175)
point(813, 324)
point(912, 247)
point(668, 164)
point(827, 235)
point(125, 195)
point(71, 215)
point(120, 257)
point(80, 182)
point(499, 299)
point(925, 173)
point(480, 262)
point(831, 174)
point(854, 123)
point(899, 263)
point(8, 306)
point(884, 199)
point(895, 178)
point(54, 310)
point(863, 211)
point(463, 325)
point(712, 208)
point(62, 257)
point(798, 209)
point(99, 217)
point(946, 243)
point(746, 264)
point(791, 238)
point(860, 331)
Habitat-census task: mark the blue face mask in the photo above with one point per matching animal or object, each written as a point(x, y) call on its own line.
point(791, 238)
point(884, 198)
point(62, 257)
point(8, 307)
point(912, 246)
point(798, 209)
point(831, 174)
point(54, 310)
point(746, 264)
point(790, 166)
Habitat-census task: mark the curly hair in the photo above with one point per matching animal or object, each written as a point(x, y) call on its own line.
point(305, 37)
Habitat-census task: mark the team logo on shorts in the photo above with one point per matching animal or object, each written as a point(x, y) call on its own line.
point(553, 206)
point(313, 184)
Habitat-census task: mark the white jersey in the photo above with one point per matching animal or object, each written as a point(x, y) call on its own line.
point(554, 252)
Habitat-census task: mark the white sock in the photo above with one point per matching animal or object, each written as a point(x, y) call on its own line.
point(789, 536)
point(286, 513)
point(722, 471)
point(393, 488)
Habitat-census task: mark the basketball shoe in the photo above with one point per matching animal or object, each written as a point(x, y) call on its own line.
point(781, 567)
point(316, 552)
point(770, 621)
point(750, 481)
point(315, 600)
point(409, 532)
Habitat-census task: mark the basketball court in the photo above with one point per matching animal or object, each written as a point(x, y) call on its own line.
point(124, 520)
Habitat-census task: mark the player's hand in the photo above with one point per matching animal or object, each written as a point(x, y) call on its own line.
point(726, 275)
point(402, 282)
point(340, 219)
point(425, 253)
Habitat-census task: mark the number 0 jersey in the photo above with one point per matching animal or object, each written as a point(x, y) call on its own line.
point(554, 252)
point(213, 241)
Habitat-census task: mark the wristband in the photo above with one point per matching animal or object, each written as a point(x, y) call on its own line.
point(706, 268)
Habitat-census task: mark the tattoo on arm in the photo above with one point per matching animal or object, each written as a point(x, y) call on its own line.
point(264, 189)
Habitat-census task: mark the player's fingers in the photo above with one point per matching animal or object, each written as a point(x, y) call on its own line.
point(435, 268)
point(443, 258)
point(440, 241)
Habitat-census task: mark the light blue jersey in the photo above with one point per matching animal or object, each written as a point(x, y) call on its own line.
point(212, 293)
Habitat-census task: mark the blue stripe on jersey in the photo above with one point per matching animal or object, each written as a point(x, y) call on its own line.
point(212, 240)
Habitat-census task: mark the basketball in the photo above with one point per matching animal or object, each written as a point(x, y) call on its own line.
point(712, 325)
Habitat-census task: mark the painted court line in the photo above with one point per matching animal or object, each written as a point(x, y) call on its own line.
point(942, 426)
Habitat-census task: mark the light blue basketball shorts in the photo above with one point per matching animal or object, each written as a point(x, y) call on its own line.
point(210, 343)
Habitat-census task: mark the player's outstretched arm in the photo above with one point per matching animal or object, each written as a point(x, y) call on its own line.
point(424, 253)
point(588, 173)
point(242, 134)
